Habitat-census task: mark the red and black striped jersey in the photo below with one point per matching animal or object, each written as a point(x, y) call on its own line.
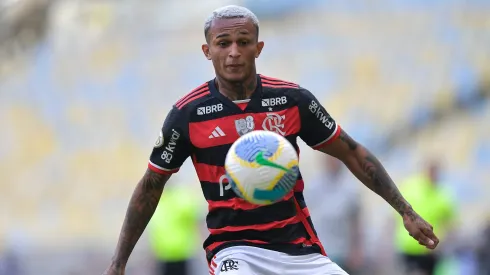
point(204, 124)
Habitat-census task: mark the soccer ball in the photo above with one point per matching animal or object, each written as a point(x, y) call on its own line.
point(262, 167)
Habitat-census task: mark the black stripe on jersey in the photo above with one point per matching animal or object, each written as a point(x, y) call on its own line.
point(285, 234)
point(265, 214)
point(216, 155)
point(213, 155)
point(300, 199)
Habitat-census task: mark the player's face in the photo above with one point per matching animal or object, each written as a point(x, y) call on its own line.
point(233, 46)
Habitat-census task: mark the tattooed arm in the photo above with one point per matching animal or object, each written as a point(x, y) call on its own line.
point(367, 168)
point(140, 210)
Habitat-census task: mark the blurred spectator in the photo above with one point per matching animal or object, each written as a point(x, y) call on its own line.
point(484, 252)
point(9, 263)
point(428, 198)
point(174, 230)
point(334, 204)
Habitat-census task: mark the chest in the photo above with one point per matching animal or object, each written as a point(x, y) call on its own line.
point(221, 130)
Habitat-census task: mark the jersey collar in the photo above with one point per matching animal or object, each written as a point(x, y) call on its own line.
point(256, 96)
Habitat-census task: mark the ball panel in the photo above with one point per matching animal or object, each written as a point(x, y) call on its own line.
point(248, 148)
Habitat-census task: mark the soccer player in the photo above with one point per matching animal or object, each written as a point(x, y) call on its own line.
point(245, 239)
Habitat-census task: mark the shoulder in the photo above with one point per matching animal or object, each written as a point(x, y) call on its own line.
point(276, 83)
point(278, 86)
point(193, 98)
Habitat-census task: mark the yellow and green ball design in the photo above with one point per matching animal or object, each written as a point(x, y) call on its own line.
point(262, 167)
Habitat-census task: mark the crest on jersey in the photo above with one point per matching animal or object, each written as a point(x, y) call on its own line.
point(274, 123)
point(159, 141)
point(244, 125)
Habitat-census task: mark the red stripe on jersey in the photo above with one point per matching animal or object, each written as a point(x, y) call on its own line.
point(283, 86)
point(191, 93)
point(299, 186)
point(210, 173)
point(306, 212)
point(272, 83)
point(159, 170)
point(329, 140)
point(200, 94)
point(239, 203)
point(201, 133)
point(303, 217)
point(258, 227)
point(272, 79)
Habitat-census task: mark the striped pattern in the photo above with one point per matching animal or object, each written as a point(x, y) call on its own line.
point(277, 83)
point(285, 225)
point(199, 92)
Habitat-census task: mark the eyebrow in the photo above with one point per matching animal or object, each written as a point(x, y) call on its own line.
point(221, 35)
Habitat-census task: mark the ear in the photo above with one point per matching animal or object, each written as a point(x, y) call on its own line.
point(205, 50)
point(260, 46)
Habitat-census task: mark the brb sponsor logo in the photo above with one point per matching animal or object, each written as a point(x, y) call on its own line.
point(167, 154)
point(322, 116)
point(271, 102)
point(209, 109)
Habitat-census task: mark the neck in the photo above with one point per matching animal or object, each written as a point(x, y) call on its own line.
point(237, 90)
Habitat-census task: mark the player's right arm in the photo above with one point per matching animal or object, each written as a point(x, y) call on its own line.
point(141, 207)
point(171, 150)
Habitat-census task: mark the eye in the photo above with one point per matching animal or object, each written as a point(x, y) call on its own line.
point(223, 44)
point(244, 42)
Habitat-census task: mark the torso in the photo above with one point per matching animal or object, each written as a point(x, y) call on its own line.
point(214, 124)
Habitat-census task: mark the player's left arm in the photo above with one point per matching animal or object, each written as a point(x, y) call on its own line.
point(369, 170)
point(321, 132)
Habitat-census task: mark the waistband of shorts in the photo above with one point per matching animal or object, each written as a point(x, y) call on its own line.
point(291, 249)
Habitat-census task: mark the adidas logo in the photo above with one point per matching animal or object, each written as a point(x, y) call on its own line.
point(217, 133)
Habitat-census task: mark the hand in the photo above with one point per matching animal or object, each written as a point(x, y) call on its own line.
point(114, 270)
point(420, 230)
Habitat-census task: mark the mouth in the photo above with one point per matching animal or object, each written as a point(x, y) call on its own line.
point(235, 65)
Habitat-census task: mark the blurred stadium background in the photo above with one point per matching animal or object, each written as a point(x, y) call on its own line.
point(85, 86)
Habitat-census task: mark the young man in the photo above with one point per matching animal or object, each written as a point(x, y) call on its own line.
point(244, 238)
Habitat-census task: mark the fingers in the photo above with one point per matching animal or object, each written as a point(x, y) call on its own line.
point(426, 238)
point(430, 235)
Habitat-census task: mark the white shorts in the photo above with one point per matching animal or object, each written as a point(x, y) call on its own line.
point(249, 260)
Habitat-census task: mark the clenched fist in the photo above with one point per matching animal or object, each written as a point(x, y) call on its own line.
point(420, 230)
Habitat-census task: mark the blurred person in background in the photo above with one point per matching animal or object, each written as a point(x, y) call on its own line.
point(335, 205)
point(425, 193)
point(483, 251)
point(174, 230)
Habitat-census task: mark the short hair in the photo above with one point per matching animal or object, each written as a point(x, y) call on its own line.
point(230, 12)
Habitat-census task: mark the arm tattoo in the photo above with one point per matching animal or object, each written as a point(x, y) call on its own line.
point(375, 177)
point(141, 207)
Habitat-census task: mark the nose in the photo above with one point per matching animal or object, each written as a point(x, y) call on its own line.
point(234, 51)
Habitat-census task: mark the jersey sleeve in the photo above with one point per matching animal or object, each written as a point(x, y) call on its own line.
point(318, 128)
point(172, 146)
